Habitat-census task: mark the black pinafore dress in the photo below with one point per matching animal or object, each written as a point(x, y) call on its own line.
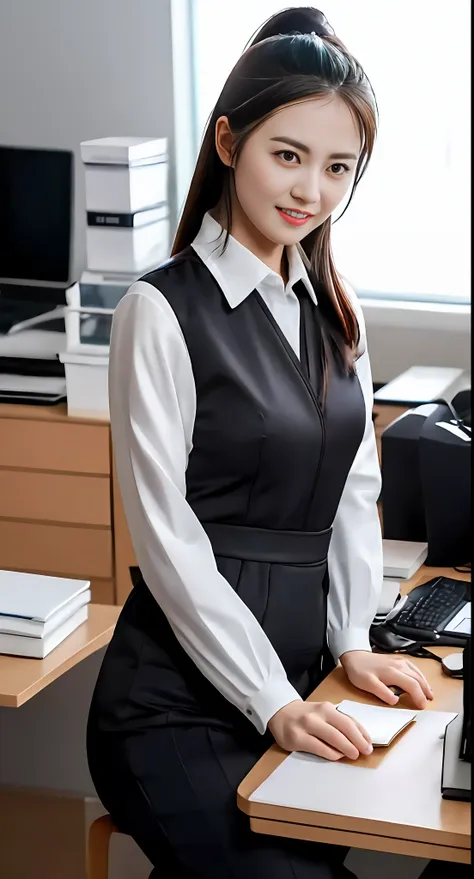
point(264, 477)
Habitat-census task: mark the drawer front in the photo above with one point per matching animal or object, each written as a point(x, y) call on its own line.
point(56, 549)
point(41, 445)
point(103, 591)
point(55, 497)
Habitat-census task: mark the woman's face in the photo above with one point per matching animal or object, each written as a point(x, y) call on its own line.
point(296, 169)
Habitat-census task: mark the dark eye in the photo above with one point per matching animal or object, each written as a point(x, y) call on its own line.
point(288, 157)
point(339, 169)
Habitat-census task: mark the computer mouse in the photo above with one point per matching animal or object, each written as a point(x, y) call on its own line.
point(453, 665)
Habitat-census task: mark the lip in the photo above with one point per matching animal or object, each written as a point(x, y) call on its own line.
point(294, 221)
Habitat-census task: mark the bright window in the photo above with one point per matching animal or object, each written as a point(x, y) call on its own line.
point(406, 234)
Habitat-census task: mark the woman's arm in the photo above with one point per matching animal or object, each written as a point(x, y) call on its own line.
point(152, 408)
point(355, 552)
point(356, 569)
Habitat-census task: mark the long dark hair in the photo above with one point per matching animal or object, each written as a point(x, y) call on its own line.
point(294, 56)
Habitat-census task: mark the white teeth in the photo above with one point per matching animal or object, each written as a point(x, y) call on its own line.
point(294, 214)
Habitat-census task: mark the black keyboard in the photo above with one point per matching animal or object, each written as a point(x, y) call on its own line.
point(431, 606)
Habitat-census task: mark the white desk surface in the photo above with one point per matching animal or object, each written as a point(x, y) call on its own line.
point(390, 801)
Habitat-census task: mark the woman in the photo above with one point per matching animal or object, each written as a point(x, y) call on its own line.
point(241, 399)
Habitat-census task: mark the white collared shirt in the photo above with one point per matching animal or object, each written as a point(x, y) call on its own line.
point(153, 408)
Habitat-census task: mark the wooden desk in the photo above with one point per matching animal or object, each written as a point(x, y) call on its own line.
point(448, 838)
point(22, 678)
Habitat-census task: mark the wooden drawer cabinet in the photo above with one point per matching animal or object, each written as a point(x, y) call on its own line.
point(67, 447)
point(103, 591)
point(56, 549)
point(55, 497)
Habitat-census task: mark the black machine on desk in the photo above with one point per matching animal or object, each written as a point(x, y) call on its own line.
point(457, 748)
point(426, 477)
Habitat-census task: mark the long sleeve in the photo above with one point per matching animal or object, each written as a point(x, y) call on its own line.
point(355, 554)
point(152, 407)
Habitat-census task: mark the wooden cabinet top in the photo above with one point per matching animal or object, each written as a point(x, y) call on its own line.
point(46, 413)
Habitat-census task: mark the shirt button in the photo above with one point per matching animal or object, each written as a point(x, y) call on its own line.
point(249, 712)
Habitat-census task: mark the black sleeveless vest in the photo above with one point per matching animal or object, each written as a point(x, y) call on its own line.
point(265, 477)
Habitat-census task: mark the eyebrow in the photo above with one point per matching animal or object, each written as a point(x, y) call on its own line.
point(305, 149)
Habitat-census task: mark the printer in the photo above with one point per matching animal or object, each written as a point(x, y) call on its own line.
point(426, 476)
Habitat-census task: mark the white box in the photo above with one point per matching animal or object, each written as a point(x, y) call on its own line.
point(127, 250)
point(125, 175)
point(87, 384)
point(123, 150)
point(121, 189)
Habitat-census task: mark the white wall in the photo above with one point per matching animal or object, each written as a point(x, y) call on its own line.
point(72, 70)
point(394, 348)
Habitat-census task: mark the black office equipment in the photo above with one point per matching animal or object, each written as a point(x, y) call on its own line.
point(457, 749)
point(36, 193)
point(36, 202)
point(429, 609)
point(466, 735)
point(426, 474)
point(402, 499)
point(445, 469)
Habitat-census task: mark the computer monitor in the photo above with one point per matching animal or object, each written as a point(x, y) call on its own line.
point(466, 735)
point(36, 200)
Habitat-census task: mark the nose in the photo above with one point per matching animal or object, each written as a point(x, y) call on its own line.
point(307, 189)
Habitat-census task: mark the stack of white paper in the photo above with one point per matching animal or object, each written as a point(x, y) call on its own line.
point(403, 558)
point(381, 723)
point(37, 613)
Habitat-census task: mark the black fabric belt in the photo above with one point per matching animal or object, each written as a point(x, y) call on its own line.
point(265, 545)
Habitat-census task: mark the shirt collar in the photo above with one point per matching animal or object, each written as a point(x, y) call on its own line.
point(237, 270)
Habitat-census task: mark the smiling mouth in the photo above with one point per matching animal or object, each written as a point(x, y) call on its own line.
point(296, 218)
point(300, 215)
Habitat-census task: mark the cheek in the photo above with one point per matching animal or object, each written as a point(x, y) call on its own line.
point(257, 178)
point(337, 193)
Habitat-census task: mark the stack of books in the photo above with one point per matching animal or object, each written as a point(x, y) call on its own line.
point(37, 613)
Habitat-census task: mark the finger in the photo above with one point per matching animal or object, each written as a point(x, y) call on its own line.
point(363, 731)
point(410, 685)
point(415, 672)
point(312, 745)
point(329, 734)
point(353, 731)
point(372, 684)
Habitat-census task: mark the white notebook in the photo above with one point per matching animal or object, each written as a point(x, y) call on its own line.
point(383, 724)
point(10, 625)
point(38, 648)
point(403, 558)
point(34, 596)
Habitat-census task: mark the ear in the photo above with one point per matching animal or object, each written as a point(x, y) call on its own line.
point(224, 140)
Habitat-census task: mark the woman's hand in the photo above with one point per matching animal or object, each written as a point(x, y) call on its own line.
point(317, 728)
point(376, 672)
